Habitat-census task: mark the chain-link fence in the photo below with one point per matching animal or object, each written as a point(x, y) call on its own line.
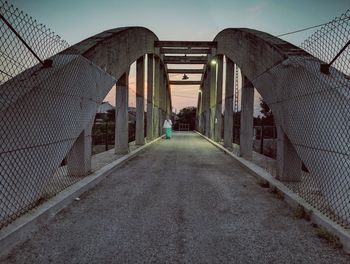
point(47, 108)
point(15, 56)
point(49, 96)
point(309, 150)
point(329, 40)
point(316, 121)
point(23, 43)
point(325, 148)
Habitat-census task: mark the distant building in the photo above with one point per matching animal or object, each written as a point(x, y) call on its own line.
point(102, 111)
point(104, 107)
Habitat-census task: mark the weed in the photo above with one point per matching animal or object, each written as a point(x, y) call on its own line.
point(273, 189)
point(263, 183)
point(332, 240)
point(299, 212)
point(279, 195)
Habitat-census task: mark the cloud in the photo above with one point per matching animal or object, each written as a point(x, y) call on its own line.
point(256, 8)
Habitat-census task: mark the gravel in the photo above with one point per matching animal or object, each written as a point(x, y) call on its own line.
point(180, 201)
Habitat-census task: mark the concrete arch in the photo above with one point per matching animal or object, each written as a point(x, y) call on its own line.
point(311, 108)
point(48, 110)
point(116, 49)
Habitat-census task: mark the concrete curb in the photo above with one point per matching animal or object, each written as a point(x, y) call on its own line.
point(22, 228)
point(291, 198)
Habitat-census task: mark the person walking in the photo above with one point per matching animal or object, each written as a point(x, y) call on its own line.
point(167, 125)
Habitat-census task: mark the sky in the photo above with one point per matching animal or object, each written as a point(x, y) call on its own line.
point(75, 20)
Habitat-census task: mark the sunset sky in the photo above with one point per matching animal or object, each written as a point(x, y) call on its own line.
point(181, 20)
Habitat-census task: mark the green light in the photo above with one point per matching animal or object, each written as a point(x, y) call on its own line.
point(213, 62)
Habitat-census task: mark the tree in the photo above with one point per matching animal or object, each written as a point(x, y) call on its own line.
point(187, 115)
point(265, 109)
point(267, 117)
point(111, 115)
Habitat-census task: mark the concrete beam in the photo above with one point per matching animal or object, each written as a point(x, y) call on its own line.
point(198, 112)
point(212, 101)
point(121, 115)
point(228, 115)
point(162, 98)
point(156, 132)
point(185, 44)
point(185, 82)
point(194, 62)
point(185, 51)
point(206, 104)
point(150, 99)
point(218, 113)
point(140, 96)
point(185, 59)
point(188, 71)
point(247, 133)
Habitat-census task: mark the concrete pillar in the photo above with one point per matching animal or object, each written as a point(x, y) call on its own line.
point(166, 93)
point(212, 100)
point(206, 106)
point(218, 110)
point(140, 107)
point(228, 115)
point(166, 100)
point(198, 112)
point(288, 162)
point(169, 105)
point(156, 97)
point(246, 134)
point(162, 100)
point(79, 156)
point(150, 102)
point(203, 107)
point(121, 115)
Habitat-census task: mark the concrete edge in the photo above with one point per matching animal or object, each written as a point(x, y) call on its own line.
point(291, 198)
point(23, 227)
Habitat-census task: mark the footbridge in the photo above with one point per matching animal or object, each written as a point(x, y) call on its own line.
point(49, 101)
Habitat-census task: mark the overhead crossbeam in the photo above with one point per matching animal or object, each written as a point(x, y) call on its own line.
point(184, 51)
point(185, 82)
point(185, 44)
point(185, 59)
point(189, 71)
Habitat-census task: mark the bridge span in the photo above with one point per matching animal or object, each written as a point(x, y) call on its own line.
point(179, 201)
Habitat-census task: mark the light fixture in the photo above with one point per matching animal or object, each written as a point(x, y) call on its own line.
point(213, 62)
point(185, 77)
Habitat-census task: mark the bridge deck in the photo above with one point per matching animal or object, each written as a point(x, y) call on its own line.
point(181, 201)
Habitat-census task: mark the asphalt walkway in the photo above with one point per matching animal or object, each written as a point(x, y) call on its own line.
point(180, 201)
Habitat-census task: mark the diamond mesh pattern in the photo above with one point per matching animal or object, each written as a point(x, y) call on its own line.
point(46, 114)
point(313, 109)
point(325, 151)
